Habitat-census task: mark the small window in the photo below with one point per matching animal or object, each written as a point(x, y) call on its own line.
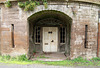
point(12, 35)
point(37, 35)
point(0, 14)
point(99, 14)
point(86, 29)
point(62, 34)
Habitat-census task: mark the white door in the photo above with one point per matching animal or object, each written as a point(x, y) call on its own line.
point(50, 39)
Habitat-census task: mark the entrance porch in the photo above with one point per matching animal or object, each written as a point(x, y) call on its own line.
point(49, 32)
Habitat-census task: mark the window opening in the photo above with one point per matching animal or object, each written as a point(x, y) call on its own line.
point(99, 15)
point(0, 14)
point(62, 34)
point(12, 35)
point(37, 35)
point(86, 29)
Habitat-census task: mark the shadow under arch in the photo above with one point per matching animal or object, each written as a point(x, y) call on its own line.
point(43, 18)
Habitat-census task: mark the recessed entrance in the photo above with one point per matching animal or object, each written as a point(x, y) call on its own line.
point(49, 31)
point(50, 39)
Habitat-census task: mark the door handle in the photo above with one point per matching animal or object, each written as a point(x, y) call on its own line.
point(52, 41)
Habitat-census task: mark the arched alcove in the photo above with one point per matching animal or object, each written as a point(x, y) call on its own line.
point(52, 25)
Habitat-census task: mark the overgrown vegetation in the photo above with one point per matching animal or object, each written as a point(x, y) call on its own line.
point(95, 59)
point(75, 62)
point(8, 4)
point(30, 5)
point(45, 4)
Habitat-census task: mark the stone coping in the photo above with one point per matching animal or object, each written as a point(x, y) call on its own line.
point(88, 1)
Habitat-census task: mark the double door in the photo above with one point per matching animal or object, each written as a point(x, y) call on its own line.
point(50, 39)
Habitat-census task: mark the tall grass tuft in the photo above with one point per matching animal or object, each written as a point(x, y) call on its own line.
point(17, 58)
point(80, 59)
point(22, 58)
point(95, 59)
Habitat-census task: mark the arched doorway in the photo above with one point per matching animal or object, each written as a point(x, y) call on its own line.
point(49, 31)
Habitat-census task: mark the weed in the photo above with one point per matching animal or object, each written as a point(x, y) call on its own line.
point(96, 59)
point(21, 58)
point(75, 62)
point(5, 58)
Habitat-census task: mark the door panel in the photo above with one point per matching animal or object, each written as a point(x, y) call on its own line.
point(50, 39)
point(46, 44)
point(53, 39)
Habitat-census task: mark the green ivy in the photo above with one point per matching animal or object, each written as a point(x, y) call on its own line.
point(8, 4)
point(30, 5)
point(21, 4)
point(45, 4)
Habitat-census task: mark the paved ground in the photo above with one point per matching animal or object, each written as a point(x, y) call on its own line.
point(50, 56)
point(2, 65)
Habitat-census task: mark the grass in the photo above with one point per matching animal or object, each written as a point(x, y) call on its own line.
point(75, 62)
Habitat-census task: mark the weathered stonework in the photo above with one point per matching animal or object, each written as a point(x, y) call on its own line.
point(81, 13)
point(0, 29)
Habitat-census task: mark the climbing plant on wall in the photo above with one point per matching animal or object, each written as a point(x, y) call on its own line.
point(30, 5)
point(45, 3)
point(8, 4)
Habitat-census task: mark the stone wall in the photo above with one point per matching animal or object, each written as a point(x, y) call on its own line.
point(0, 30)
point(12, 16)
point(89, 1)
point(82, 14)
point(85, 15)
point(86, 1)
point(99, 38)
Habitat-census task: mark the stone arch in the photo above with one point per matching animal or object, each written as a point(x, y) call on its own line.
point(59, 8)
point(57, 16)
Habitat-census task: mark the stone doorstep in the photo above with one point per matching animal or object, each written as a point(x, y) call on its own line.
point(50, 57)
